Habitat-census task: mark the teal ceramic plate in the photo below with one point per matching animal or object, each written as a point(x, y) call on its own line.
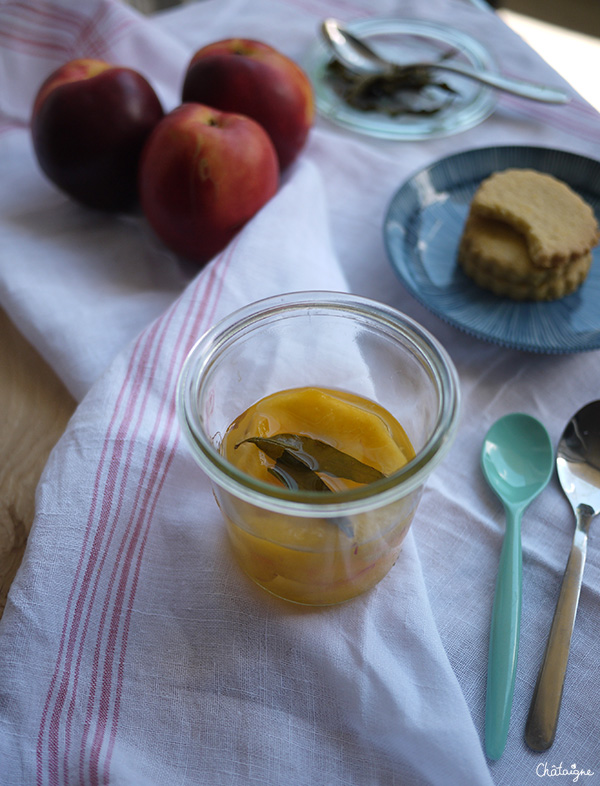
point(422, 231)
point(408, 41)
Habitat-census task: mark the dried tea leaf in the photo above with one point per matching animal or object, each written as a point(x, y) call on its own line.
point(409, 90)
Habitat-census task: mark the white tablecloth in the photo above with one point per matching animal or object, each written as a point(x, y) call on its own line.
point(132, 649)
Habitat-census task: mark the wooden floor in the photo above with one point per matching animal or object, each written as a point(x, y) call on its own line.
point(34, 410)
point(583, 16)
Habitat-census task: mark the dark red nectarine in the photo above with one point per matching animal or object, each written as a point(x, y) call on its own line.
point(254, 79)
point(89, 124)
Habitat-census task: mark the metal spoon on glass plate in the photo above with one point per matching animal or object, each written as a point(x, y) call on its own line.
point(357, 56)
point(578, 467)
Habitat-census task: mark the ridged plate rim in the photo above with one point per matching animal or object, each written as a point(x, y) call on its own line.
point(422, 229)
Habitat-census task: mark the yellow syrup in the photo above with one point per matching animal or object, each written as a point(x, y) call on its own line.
point(317, 559)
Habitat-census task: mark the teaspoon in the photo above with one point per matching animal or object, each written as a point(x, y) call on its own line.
point(578, 467)
point(517, 459)
point(356, 55)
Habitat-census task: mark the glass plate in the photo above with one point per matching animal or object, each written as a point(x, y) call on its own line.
point(408, 41)
point(422, 231)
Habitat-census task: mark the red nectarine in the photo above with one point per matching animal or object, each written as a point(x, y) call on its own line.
point(203, 175)
point(254, 79)
point(90, 121)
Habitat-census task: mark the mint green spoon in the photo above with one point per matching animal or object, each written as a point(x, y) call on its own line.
point(517, 460)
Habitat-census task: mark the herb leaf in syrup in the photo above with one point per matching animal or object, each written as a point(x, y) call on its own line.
point(298, 459)
point(294, 450)
point(296, 475)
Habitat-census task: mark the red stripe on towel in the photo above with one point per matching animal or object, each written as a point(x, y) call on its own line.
point(78, 600)
point(113, 477)
point(51, 12)
point(163, 457)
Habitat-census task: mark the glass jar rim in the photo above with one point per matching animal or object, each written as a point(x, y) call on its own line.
point(314, 503)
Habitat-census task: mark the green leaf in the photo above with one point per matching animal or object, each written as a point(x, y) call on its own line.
point(298, 458)
point(313, 454)
point(300, 477)
point(297, 477)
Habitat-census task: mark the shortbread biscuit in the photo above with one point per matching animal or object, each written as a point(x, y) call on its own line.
point(551, 289)
point(557, 225)
point(500, 250)
point(496, 258)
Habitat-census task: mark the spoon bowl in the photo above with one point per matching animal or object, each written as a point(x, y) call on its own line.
point(360, 58)
point(578, 468)
point(517, 460)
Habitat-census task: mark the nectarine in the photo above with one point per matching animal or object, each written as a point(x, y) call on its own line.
point(203, 175)
point(89, 123)
point(252, 78)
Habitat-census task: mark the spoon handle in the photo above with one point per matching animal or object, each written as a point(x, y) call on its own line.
point(547, 695)
point(535, 92)
point(504, 638)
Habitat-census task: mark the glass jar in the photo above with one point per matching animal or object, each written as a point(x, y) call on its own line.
point(306, 546)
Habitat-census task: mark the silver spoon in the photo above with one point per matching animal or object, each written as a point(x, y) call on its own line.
point(578, 467)
point(356, 55)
